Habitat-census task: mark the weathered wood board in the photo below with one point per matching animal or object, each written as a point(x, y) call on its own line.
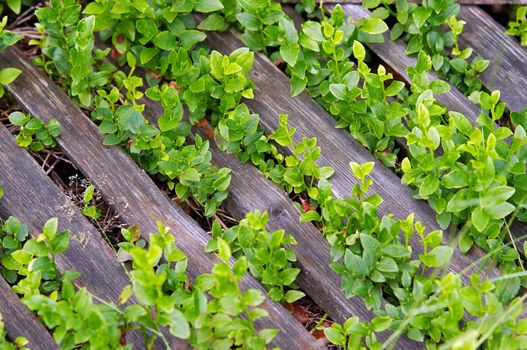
point(31, 196)
point(131, 193)
point(20, 322)
point(507, 70)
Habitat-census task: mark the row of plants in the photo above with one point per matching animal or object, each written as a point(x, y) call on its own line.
point(211, 312)
point(277, 273)
point(518, 26)
point(385, 276)
point(361, 101)
point(225, 64)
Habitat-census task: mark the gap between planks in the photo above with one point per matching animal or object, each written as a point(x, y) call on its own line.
point(130, 192)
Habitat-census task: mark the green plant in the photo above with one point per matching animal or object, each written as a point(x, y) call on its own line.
point(90, 210)
point(436, 318)
point(7, 38)
point(215, 323)
point(300, 170)
point(518, 27)
point(367, 250)
point(267, 256)
point(472, 181)
point(34, 133)
point(165, 298)
point(68, 42)
point(13, 235)
point(422, 26)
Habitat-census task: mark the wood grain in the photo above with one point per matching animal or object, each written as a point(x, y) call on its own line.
point(338, 148)
point(131, 193)
point(20, 322)
point(507, 71)
point(33, 198)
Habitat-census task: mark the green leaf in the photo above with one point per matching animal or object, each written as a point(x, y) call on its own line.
point(387, 265)
point(338, 90)
point(8, 75)
point(313, 30)
point(439, 87)
point(166, 41)
point(499, 211)
point(480, 219)
point(293, 295)
point(420, 15)
point(50, 228)
point(15, 5)
point(380, 324)
point(213, 22)
point(88, 194)
point(373, 25)
point(18, 118)
point(311, 215)
point(437, 256)
point(359, 51)
point(334, 336)
point(496, 195)
point(394, 88)
point(253, 297)
point(224, 250)
point(289, 52)
point(190, 174)
point(205, 6)
point(178, 324)
point(429, 186)
point(60, 243)
point(191, 37)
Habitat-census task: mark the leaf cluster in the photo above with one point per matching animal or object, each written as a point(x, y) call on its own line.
point(34, 133)
point(268, 254)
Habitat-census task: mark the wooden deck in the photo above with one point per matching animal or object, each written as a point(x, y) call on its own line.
point(33, 197)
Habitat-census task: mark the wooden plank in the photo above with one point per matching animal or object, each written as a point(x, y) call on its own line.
point(33, 198)
point(20, 322)
point(249, 190)
point(338, 148)
point(507, 71)
point(131, 193)
point(393, 53)
point(462, 2)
